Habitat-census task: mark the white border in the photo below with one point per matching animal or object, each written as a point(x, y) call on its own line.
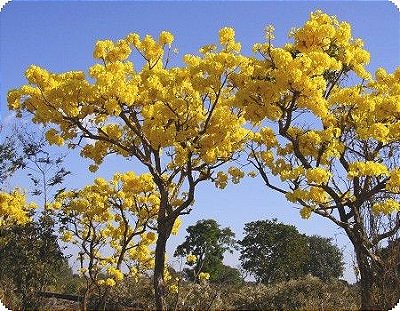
point(4, 2)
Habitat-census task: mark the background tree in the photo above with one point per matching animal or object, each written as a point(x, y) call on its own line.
point(335, 138)
point(44, 167)
point(273, 251)
point(224, 274)
point(177, 122)
point(325, 259)
point(207, 242)
point(30, 254)
point(30, 257)
point(10, 161)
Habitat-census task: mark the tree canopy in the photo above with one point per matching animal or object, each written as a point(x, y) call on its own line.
point(325, 259)
point(204, 249)
point(274, 252)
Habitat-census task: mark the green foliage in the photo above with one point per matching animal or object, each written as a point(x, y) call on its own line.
point(8, 296)
point(325, 259)
point(208, 242)
point(225, 274)
point(30, 259)
point(273, 251)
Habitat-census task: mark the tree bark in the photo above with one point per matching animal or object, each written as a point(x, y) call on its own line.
point(164, 231)
point(366, 285)
point(370, 274)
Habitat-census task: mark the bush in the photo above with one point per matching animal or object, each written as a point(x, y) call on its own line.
point(306, 293)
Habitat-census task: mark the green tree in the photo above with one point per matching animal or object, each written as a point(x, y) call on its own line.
point(208, 243)
point(226, 274)
point(325, 259)
point(272, 251)
point(30, 257)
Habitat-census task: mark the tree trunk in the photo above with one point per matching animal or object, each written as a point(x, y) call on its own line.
point(101, 305)
point(370, 272)
point(366, 286)
point(159, 265)
point(85, 300)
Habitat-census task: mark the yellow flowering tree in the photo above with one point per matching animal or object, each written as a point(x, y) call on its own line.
point(335, 144)
point(111, 223)
point(178, 122)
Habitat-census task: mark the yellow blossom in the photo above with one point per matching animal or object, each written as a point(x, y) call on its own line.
point(386, 207)
point(204, 276)
point(191, 259)
point(110, 282)
point(318, 176)
point(305, 212)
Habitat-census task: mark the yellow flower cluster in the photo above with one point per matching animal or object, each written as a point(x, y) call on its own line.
point(325, 33)
point(176, 226)
point(266, 136)
point(67, 236)
point(317, 175)
point(372, 110)
point(204, 276)
point(174, 288)
point(14, 209)
point(306, 212)
point(166, 38)
point(115, 274)
point(53, 138)
point(386, 207)
point(368, 168)
point(312, 195)
point(107, 282)
point(393, 184)
point(291, 174)
point(227, 39)
point(221, 181)
point(236, 173)
point(191, 259)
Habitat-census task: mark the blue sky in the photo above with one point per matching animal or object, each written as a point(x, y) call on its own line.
point(60, 35)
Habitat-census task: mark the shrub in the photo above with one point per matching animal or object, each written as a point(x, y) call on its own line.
point(306, 293)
